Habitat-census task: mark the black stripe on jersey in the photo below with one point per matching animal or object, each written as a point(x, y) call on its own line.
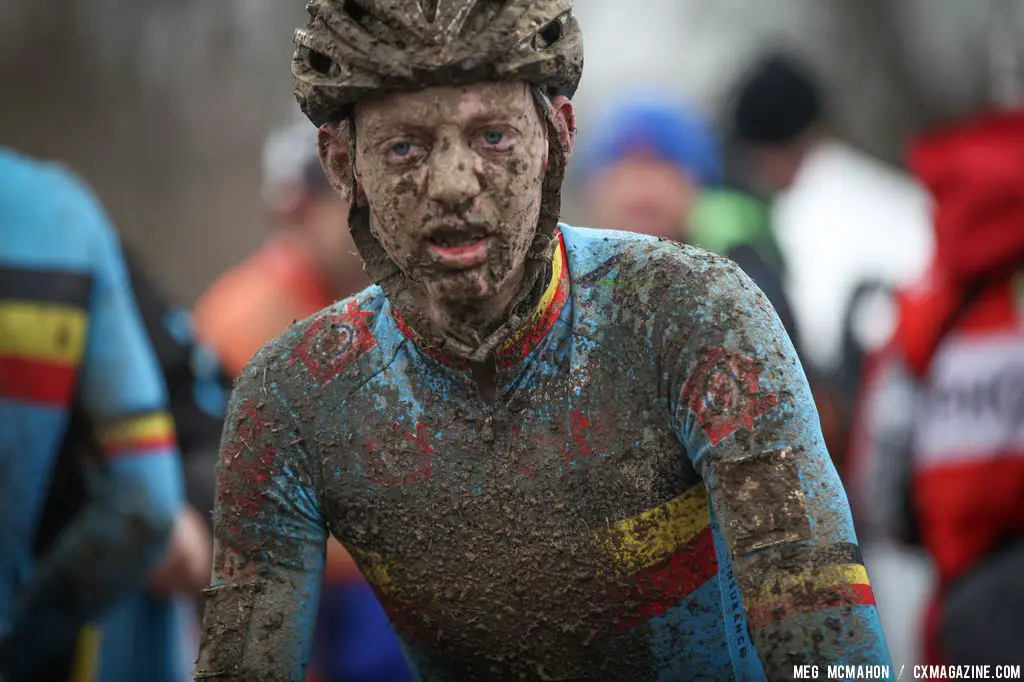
point(795, 558)
point(45, 286)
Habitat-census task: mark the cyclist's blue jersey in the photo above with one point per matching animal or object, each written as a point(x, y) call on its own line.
point(71, 341)
point(647, 498)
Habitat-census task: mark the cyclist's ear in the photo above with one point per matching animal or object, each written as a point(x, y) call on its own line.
point(564, 117)
point(334, 146)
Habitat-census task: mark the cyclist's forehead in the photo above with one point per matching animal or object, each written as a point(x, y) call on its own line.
point(432, 108)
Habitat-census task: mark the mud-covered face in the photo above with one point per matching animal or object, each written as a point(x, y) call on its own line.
point(452, 176)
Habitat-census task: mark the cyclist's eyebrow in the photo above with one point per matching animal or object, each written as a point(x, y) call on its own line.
point(498, 117)
point(382, 128)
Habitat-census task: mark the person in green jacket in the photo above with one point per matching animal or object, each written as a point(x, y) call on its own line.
point(775, 119)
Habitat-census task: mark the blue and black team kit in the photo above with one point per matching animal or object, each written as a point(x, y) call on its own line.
point(91, 479)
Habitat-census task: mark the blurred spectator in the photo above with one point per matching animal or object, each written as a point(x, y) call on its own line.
point(944, 465)
point(307, 263)
point(775, 119)
point(197, 392)
point(645, 164)
point(76, 365)
point(867, 326)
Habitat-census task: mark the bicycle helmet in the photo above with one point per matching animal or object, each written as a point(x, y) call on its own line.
point(351, 48)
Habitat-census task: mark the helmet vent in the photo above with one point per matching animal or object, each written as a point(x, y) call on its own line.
point(355, 11)
point(318, 61)
point(549, 34)
point(429, 9)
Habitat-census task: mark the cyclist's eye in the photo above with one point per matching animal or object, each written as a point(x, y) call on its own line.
point(494, 137)
point(403, 151)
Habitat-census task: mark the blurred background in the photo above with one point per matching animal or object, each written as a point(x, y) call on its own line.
point(163, 106)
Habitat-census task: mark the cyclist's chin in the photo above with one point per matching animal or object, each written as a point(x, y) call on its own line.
point(465, 286)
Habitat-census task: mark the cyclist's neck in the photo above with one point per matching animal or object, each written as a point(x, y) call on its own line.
point(469, 321)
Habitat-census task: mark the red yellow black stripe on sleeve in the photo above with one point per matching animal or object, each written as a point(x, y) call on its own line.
point(137, 434)
point(832, 576)
point(41, 348)
point(662, 555)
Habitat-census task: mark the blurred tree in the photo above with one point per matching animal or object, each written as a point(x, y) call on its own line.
point(162, 104)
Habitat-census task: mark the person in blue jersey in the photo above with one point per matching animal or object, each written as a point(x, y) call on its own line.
point(308, 262)
point(72, 343)
point(154, 629)
point(554, 452)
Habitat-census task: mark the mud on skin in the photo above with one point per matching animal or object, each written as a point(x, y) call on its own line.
point(446, 165)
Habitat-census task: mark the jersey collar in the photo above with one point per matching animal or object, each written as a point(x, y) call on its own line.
point(526, 338)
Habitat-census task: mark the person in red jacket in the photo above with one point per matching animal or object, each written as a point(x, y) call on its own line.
point(949, 394)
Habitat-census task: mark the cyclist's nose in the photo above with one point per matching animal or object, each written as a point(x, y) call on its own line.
point(453, 178)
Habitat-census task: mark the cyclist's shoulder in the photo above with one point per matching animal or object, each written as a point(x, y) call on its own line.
point(640, 281)
point(49, 187)
point(51, 216)
point(332, 352)
point(618, 260)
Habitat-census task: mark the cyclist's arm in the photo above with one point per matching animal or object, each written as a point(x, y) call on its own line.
point(744, 412)
point(756, 268)
point(112, 543)
point(269, 541)
point(197, 387)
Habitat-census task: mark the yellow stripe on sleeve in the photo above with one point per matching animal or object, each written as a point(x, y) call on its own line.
point(43, 332)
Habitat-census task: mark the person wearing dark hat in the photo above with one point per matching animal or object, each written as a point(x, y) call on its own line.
point(775, 119)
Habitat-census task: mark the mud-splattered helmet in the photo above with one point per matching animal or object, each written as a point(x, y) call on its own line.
point(351, 48)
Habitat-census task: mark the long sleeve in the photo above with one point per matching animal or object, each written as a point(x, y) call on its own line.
point(135, 494)
point(269, 541)
point(197, 387)
point(743, 410)
point(756, 268)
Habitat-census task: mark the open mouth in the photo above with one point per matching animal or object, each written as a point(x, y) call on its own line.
point(459, 248)
point(460, 238)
